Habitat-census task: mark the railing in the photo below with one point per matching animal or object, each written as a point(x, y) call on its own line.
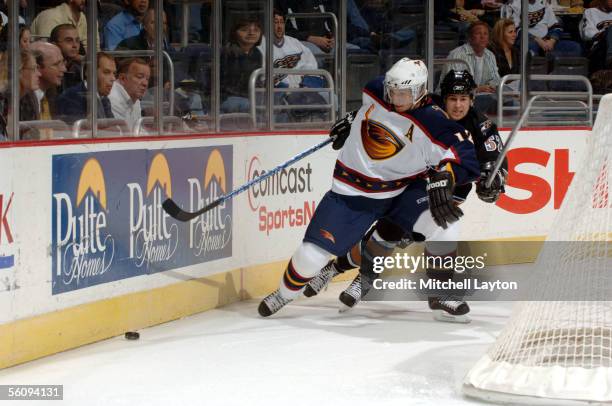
point(316, 72)
point(554, 105)
point(53, 127)
point(139, 127)
point(104, 124)
point(336, 48)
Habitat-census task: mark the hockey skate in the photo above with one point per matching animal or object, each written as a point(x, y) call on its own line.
point(449, 310)
point(319, 282)
point(272, 303)
point(351, 295)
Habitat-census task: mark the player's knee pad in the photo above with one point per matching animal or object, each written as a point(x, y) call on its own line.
point(425, 225)
point(309, 259)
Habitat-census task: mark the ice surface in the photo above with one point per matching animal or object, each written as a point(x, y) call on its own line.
point(379, 353)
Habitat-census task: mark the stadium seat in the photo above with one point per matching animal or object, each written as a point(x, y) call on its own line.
point(538, 65)
point(566, 65)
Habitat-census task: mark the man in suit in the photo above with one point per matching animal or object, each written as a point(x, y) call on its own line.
point(52, 67)
point(72, 104)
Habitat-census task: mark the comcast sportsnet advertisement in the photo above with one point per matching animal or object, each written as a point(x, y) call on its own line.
point(277, 210)
point(108, 222)
point(269, 198)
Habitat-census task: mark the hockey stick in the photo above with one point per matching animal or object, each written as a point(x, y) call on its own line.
point(176, 212)
point(515, 130)
point(519, 124)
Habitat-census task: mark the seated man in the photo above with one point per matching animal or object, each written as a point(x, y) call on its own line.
point(72, 104)
point(126, 24)
point(596, 32)
point(290, 53)
point(69, 12)
point(52, 68)
point(129, 88)
point(66, 37)
point(316, 33)
point(481, 64)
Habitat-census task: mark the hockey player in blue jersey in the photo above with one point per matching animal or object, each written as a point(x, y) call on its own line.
point(400, 152)
point(457, 96)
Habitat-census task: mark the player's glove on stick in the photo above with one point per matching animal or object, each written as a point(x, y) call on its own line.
point(341, 129)
point(491, 194)
point(443, 208)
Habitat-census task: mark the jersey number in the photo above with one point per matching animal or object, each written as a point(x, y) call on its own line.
point(463, 136)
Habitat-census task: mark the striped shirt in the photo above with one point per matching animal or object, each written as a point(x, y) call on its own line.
point(489, 75)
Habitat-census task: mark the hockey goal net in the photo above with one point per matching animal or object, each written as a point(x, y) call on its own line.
point(560, 351)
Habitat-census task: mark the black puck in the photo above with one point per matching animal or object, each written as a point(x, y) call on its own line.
point(132, 335)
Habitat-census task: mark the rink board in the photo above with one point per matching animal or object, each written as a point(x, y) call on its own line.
point(86, 252)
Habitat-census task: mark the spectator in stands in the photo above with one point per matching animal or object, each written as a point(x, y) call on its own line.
point(129, 88)
point(72, 104)
point(69, 12)
point(596, 32)
point(290, 53)
point(238, 60)
point(443, 17)
point(4, 12)
point(504, 47)
point(480, 62)
point(544, 29)
point(465, 13)
point(29, 81)
point(126, 24)
point(316, 33)
point(66, 37)
point(370, 27)
point(25, 37)
point(146, 38)
point(52, 68)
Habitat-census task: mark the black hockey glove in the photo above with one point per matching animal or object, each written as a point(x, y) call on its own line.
point(491, 194)
point(443, 208)
point(341, 129)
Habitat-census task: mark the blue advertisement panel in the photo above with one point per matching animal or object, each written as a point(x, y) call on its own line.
point(108, 222)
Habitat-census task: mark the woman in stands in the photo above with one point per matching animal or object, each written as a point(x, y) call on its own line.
point(238, 60)
point(29, 79)
point(503, 46)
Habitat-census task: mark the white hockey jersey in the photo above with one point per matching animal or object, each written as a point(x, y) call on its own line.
point(290, 54)
point(387, 150)
point(541, 16)
point(594, 21)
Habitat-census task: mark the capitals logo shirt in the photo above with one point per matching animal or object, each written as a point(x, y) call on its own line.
point(386, 150)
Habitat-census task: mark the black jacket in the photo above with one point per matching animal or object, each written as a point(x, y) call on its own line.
point(236, 70)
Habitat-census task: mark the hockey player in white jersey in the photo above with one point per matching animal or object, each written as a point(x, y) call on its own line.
point(457, 97)
point(402, 151)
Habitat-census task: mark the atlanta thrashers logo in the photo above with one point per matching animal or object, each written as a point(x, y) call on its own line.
point(535, 17)
point(379, 141)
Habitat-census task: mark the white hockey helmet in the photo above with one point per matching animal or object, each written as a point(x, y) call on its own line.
point(406, 75)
